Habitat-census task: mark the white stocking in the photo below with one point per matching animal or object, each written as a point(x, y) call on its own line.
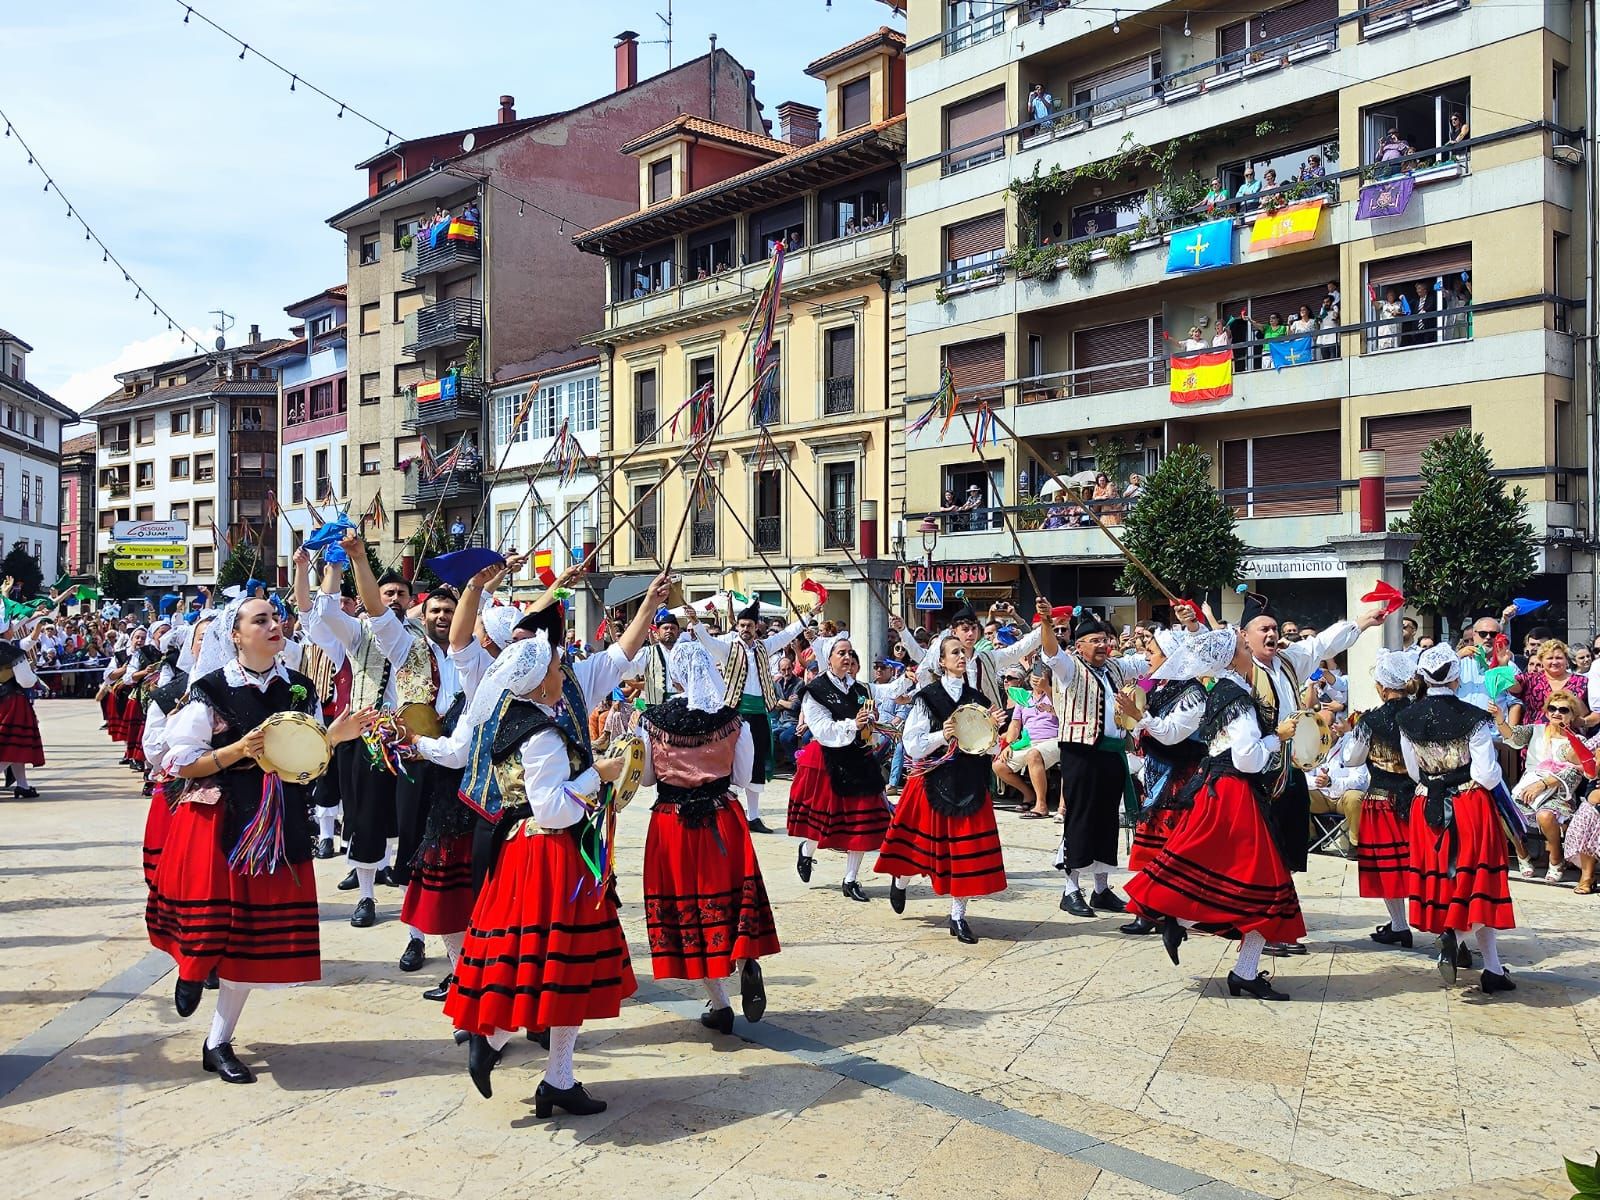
point(752, 803)
point(1102, 881)
point(902, 881)
point(716, 992)
point(452, 948)
point(499, 1038)
point(365, 878)
point(390, 848)
point(1072, 878)
point(1397, 915)
point(852, 864)
point(230, 1003)
point(563, 1042)
point(1489, 947)
point(19, 774)
point(1249, 964)
point(958, 908)
point(808, 847)
point(416, 934)
point(326, 820)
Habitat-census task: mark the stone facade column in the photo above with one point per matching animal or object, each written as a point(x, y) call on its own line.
point(1368, 557)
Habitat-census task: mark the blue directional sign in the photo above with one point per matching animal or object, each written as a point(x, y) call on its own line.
point(930, 594)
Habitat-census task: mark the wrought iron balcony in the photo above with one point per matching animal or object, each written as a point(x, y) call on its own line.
point(447, 323)
point(461, 402)
point(644, 426)
point(115, 449)
point(769, 534)
point(703, 539)
point(839, 530)
point(447, 485)
point(644, 541)
point(839, 396)
point(424, 258)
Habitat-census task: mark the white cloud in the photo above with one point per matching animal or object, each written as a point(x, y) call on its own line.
point(85, 387)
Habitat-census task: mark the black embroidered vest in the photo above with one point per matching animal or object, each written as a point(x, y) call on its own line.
point(956, 788)
point(852, 770)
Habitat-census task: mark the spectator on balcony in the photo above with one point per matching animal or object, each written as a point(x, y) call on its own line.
point(1272, 329)
point(1133, 493)
point(1194, 341)
point(1040, 104)
point(1303, 324)
point(947, 508)
point(1223, 337)
point(1312, 168)
point(1105, 499)
point(1328, 322)
point(1454, 136)
point(1216, 195)
point(1388, 312)
point(1251, 185)
point(974, 515)
point(1424, 329)
point(1269, 185)
point(458, 533)
point(1458, 318)
point(1391, 151)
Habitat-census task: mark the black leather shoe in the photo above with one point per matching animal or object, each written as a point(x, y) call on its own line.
point(1388, 935)
point(481, 1058)
point(221, 1061)
point(1447, 956)
point(540, 1038)
point(962, 932)
point(1139, 925)
point(1464, 956)
point(349, 883)
point(324, 848)
point(212, 982)
point(752, 991)
point(440, 990)
point(720, 1019)
point(756, 826)
point(32, 793)
point(1489, 981)
point(462, 1037)
point(852, 890)
point(573, 1100)
point(366, 913)
point(387, 878)
point(897, 897)
point(802, 866)
point(1260, 987)
point(1072, 901)
point(186, 995)
point(1108, 901)
point(1173, 935)
point(416, 953)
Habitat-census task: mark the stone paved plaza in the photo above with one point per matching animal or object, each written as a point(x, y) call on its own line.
point(1055, 1059)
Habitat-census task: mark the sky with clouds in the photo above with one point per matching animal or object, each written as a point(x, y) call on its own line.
point(213, 182)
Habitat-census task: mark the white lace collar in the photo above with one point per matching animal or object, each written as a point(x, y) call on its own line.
point(237, 676)
point(843, 684)
point(952, 685)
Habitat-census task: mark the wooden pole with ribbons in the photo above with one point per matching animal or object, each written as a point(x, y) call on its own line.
point(767, 562)
point(1005, 517)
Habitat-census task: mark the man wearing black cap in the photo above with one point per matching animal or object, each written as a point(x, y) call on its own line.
point(985, 668)
point(1281, 670)
point(745, 661)
point(657, 689)
point(1095, 782)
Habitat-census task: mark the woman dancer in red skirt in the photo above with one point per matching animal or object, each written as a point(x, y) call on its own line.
point(21, 746)
point(1220, 870)
point(1383, 853)
point(943, 826)
point(165, 790)
point(234, 891)
point(1461, 878)
point(544, 949)
point(705, 903)
point(143, 670)
point(836, 801)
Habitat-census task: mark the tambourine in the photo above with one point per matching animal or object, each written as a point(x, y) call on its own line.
point(1140, 702)
point(296, 748)
point(420, 720)
point(1311, 742)
point(629, 747)
point(975, 731)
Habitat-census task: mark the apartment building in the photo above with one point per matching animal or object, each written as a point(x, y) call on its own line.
point(31, 421)
point(77, 508)
point(457, 284)
point(192, 439)
point(314, 450)
point(684, 272)
point(1421, 155)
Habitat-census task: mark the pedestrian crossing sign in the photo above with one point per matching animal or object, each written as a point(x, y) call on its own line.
point(930, 594)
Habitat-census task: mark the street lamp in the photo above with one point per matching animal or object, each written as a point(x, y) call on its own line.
point(929, 531)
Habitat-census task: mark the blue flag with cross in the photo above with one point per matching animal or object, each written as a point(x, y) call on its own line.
point(1201, 248)
point(1290, 352)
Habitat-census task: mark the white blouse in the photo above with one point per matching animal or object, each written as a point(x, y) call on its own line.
point(921, 737)
point(824, 726)
point(556, 802)
point(190, 730)
point(1483, 759)
point(1251, 751)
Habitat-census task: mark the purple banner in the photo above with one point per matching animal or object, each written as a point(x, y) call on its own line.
point(1386, 198)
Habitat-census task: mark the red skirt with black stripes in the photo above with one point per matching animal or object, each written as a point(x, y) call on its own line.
point(156, 824)
point(1479, 893)
point(1221, 869)
point(705, 902)
point(439, 894)
point(1383, 855)
point(821, 814)
point(247, 928)
point(133, 728)
point(959, 855)
point(544, 946)
point(19, 731)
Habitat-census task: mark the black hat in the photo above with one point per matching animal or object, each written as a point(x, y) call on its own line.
point(965, 613)
point(1089, 624)
point(751, 611)
point(1255, 605)
point(552, 620)
point(393, 576)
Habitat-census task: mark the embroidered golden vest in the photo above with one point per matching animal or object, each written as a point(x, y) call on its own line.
point(1081, 707)
point(739, 667)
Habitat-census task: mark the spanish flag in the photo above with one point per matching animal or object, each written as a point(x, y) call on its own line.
point(1296, 223)
point(544, 566)
point(427, 390)
point(462, 231)
point(1204, 376)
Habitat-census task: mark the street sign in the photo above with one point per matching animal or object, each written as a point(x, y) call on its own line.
point(149, 564)
point(150, 549)
point(150, 531)
point(162, 579)
point(930, 594)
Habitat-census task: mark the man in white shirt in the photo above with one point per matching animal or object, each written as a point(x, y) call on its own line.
point(985, 668)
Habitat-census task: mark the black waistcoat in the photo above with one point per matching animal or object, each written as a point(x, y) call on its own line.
point(958, 787)
point(852, 770)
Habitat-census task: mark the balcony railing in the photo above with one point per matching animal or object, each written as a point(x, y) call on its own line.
point(644, 426)
point(423, 258)
point(447, 485)
point(769, 534)
point(448, 323)
point(644, 541)
point(838, 396)
point(839, 530)
point(465, 403)
point(703, 539)
point(116, 449)
point(117, 489)
point(977, 29)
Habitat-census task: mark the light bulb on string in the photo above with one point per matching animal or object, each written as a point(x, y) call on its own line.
point(1186, 32)
point(186, 13)
point(242, 48)
point(292, 78)
point(340, 113)
point(1116, 21)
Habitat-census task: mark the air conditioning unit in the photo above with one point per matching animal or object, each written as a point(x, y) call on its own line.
point(1571, 156)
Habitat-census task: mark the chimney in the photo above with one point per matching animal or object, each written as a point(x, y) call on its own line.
point(255, 334)
point(627, 59)
point(799, 124)
point(508, 109)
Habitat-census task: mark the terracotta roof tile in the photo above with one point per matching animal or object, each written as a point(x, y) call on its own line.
point(688, 123)
point(883, 34)
point(78, 445)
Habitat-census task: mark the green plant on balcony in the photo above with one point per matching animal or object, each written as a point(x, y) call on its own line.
point(469, 364)
point(1108, 459)
point(940, 294)
point(1076, 260)
point(1118, 246)
point(1030, 513)
point(1035, 262)
point(405, 241)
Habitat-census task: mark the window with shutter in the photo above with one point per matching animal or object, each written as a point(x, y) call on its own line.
point(1114, 357)
point(839, 367)
point(660, 180)
point(1236, 475)
point(972, 128)
point(1281, 467)
point(1404, 438)
point(1282, 22)
point(1114, 85)
point(972, 248)
point(1448, 261)
point(976, 367)
point(855, 104)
